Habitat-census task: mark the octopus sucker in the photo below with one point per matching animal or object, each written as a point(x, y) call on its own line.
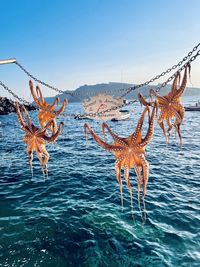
point(112, 134)
point(129, 151)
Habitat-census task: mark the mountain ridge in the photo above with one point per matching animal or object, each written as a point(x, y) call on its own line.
point(115, 89)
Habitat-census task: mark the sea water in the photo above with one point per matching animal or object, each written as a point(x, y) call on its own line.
point(75, 218)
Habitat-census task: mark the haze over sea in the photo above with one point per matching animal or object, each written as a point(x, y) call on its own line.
point(75, 217)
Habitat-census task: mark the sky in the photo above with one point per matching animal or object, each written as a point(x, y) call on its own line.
point(69, 43)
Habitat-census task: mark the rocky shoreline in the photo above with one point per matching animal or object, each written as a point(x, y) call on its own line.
point(7, 106)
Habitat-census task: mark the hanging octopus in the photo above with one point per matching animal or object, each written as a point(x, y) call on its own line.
point(46, 113)
point(36, 138)
point(129, 152)
point(170, 105)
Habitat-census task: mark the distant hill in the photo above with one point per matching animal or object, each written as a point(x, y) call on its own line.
point(112, 88)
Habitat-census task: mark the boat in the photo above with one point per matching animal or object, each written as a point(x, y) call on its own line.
point(195, 107)
point(124, 115)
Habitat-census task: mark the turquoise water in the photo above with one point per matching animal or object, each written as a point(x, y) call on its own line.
point(75, 217)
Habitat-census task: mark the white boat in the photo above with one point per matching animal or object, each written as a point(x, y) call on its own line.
point(124, 115)
point(195, 107)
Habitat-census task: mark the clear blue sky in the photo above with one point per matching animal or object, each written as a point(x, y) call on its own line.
point(74, 42)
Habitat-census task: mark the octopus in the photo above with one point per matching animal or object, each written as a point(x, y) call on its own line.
point(47, 114)
point(129, 152)
point(36, 138)
point(170, 106)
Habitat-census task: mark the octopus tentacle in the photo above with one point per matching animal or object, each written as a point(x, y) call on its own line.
point(24, 110)
point(30, 157)
point(145, 170)
point(54, 126)
point(170, 127)
point(175, 83)
point(179, 118)
point(178, 115)
point(40, 157)
point(19, 116)
point(38, 103)
point(55, 102)
point(51, 124)
point(161, 99)
point(44, 117)
point(180, 108)
point(44, 128)
point(140, 180)
point(118, 140)
point(161, 124)
point(137, 135)
point(150, 131)
point(58, 112)
point(181, 90)
point(143, 100)
point(127, 179)
point(21, 120)
point(110, 148)
point(118, 175)
point(54, 136)
point(39, 93)
point(45, 160)
point(179, 132)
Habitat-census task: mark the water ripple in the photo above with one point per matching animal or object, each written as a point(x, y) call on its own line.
point(75, 217)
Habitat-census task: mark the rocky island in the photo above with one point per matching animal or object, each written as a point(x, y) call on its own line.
point(7, 106)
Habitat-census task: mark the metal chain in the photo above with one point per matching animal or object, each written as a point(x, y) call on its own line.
point(39, 81)
point(13, 94)
point(180, 69)
point(113, 108)
point(163, 73)
point(127, 90)
point(23, 101)
point(158, 88)
point(67, 92)
point(64, 114)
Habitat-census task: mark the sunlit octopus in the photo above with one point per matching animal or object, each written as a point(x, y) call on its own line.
point(170, 105)
point(36, 138)
point(129, 152)
point(47, 114)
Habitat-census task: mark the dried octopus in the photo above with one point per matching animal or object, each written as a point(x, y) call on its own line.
point(170, 105)
point(47, 114)
point(129, 152)
point(36, 138)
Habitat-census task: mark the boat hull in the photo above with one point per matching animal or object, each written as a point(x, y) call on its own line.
point(192, 108)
